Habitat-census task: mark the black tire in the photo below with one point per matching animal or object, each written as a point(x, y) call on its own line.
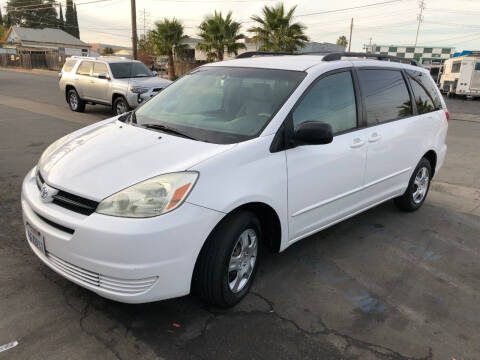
point(212, 279)
point(120, 103)
point(74, 101)
point(409, 202)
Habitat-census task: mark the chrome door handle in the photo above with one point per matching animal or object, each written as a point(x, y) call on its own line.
point(357, 142)
point(374, 137)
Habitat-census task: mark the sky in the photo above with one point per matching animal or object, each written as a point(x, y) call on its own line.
point(445, 22)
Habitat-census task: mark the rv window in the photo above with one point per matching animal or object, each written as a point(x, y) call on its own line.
point(477, 66)
point(456, 67)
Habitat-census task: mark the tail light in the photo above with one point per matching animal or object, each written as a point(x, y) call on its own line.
point(447, 114)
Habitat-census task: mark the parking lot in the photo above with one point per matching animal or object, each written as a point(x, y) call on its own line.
point(381, 285)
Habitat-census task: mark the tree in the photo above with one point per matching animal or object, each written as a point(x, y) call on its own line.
point(3, 32)
point(61, 21)
point(220, 34)
point(25, 13)
point(1, 17)
point(69, 18)
point(168, 38)
point(107, 51)
point(76, 30)
point(342, 41)
point(276, 32)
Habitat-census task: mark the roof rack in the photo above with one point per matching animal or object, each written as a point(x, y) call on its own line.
point(332, 56)
point(250, 54)
point(340, 55)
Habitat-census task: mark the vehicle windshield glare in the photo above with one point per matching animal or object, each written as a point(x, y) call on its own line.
point(222, 105)
point(124, 70)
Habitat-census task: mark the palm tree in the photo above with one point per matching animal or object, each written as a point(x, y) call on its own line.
point(218, 35)
point(168, 38)
point(276, 32)
point(342, 41)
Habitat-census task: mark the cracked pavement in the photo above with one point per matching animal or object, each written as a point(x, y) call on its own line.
point(382, 285)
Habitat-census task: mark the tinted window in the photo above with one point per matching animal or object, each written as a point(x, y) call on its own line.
point(424, 90)
point(132, 69)
point(68, 66)
point(477, 66)
point(99, 68)
point(386, 95)
point(331, 100)
point(221, 104)
point(85, 67)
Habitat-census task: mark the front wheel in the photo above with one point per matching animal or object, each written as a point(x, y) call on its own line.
point(418, 187)
point(228, 261)
point(120, 106)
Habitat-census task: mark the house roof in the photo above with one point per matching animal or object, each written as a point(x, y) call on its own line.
point(47, 35)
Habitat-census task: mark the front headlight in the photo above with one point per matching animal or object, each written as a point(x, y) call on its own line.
point(151, 197)
point(138, 89)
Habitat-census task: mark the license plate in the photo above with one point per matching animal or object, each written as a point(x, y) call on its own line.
point(35, 238)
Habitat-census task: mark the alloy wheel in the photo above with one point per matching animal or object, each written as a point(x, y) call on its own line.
point(420, 185)
point(242, 260)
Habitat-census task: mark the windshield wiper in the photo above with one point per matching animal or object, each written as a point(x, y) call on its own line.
point(168, 129)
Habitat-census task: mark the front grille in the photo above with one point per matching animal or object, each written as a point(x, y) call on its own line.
point(69, 201)
point(75, 203)
point(119, 286)
point(55, 225)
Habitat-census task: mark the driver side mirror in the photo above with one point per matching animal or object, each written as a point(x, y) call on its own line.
point(104, 76)
point(313, 133)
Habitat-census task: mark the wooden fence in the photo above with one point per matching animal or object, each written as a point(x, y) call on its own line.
point(33, 59)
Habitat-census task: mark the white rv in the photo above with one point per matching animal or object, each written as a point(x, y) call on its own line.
point(461, 76)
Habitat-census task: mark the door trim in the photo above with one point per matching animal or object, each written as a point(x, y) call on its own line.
point(338, 197)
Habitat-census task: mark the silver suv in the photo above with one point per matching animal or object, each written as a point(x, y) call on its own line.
point(120, 83)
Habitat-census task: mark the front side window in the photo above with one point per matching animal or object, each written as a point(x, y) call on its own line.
point(85, 68)
point(331, 100)
point(218, 104)
point(125, 70)
point(386, 95)
point(426, 96)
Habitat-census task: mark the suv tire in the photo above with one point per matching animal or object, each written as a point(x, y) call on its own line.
point(74, 101)
point(228, 261)
point(417, 189)
point(120, 106)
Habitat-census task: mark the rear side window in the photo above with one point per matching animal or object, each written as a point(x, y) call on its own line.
point(85, 67)
point(426, 96)
point(330, 100)
point(99, 68)
point(385, 94)
point(68, 66)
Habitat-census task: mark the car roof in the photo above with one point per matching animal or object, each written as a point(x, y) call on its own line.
point(107, 59)
point(305, 62)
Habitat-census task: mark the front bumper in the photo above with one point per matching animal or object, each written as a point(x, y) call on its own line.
point(128, 260)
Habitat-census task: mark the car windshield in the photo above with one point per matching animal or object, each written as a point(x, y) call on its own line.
point(223, 105)
point(125, 70)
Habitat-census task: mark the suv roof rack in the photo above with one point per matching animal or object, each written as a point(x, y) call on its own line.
point(338, 56)
point(332, 56)
point(250, 54)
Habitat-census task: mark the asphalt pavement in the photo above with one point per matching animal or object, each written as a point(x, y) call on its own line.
point(381, 285)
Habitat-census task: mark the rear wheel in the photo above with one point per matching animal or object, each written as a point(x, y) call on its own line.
point(418, 187)
point(228, 261)
point(74, 101)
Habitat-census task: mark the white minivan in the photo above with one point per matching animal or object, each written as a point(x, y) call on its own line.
point(182, 194)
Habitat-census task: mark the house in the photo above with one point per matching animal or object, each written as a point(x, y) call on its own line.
point(324, 47)
point(46, 39)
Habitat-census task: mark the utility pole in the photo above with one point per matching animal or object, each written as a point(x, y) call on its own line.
point(144, 32)
point(350, 40)
point(134, 29)
point(421, 5)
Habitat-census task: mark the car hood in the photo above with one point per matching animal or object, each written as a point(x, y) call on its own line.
point(106, 159)
point(150, 82)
